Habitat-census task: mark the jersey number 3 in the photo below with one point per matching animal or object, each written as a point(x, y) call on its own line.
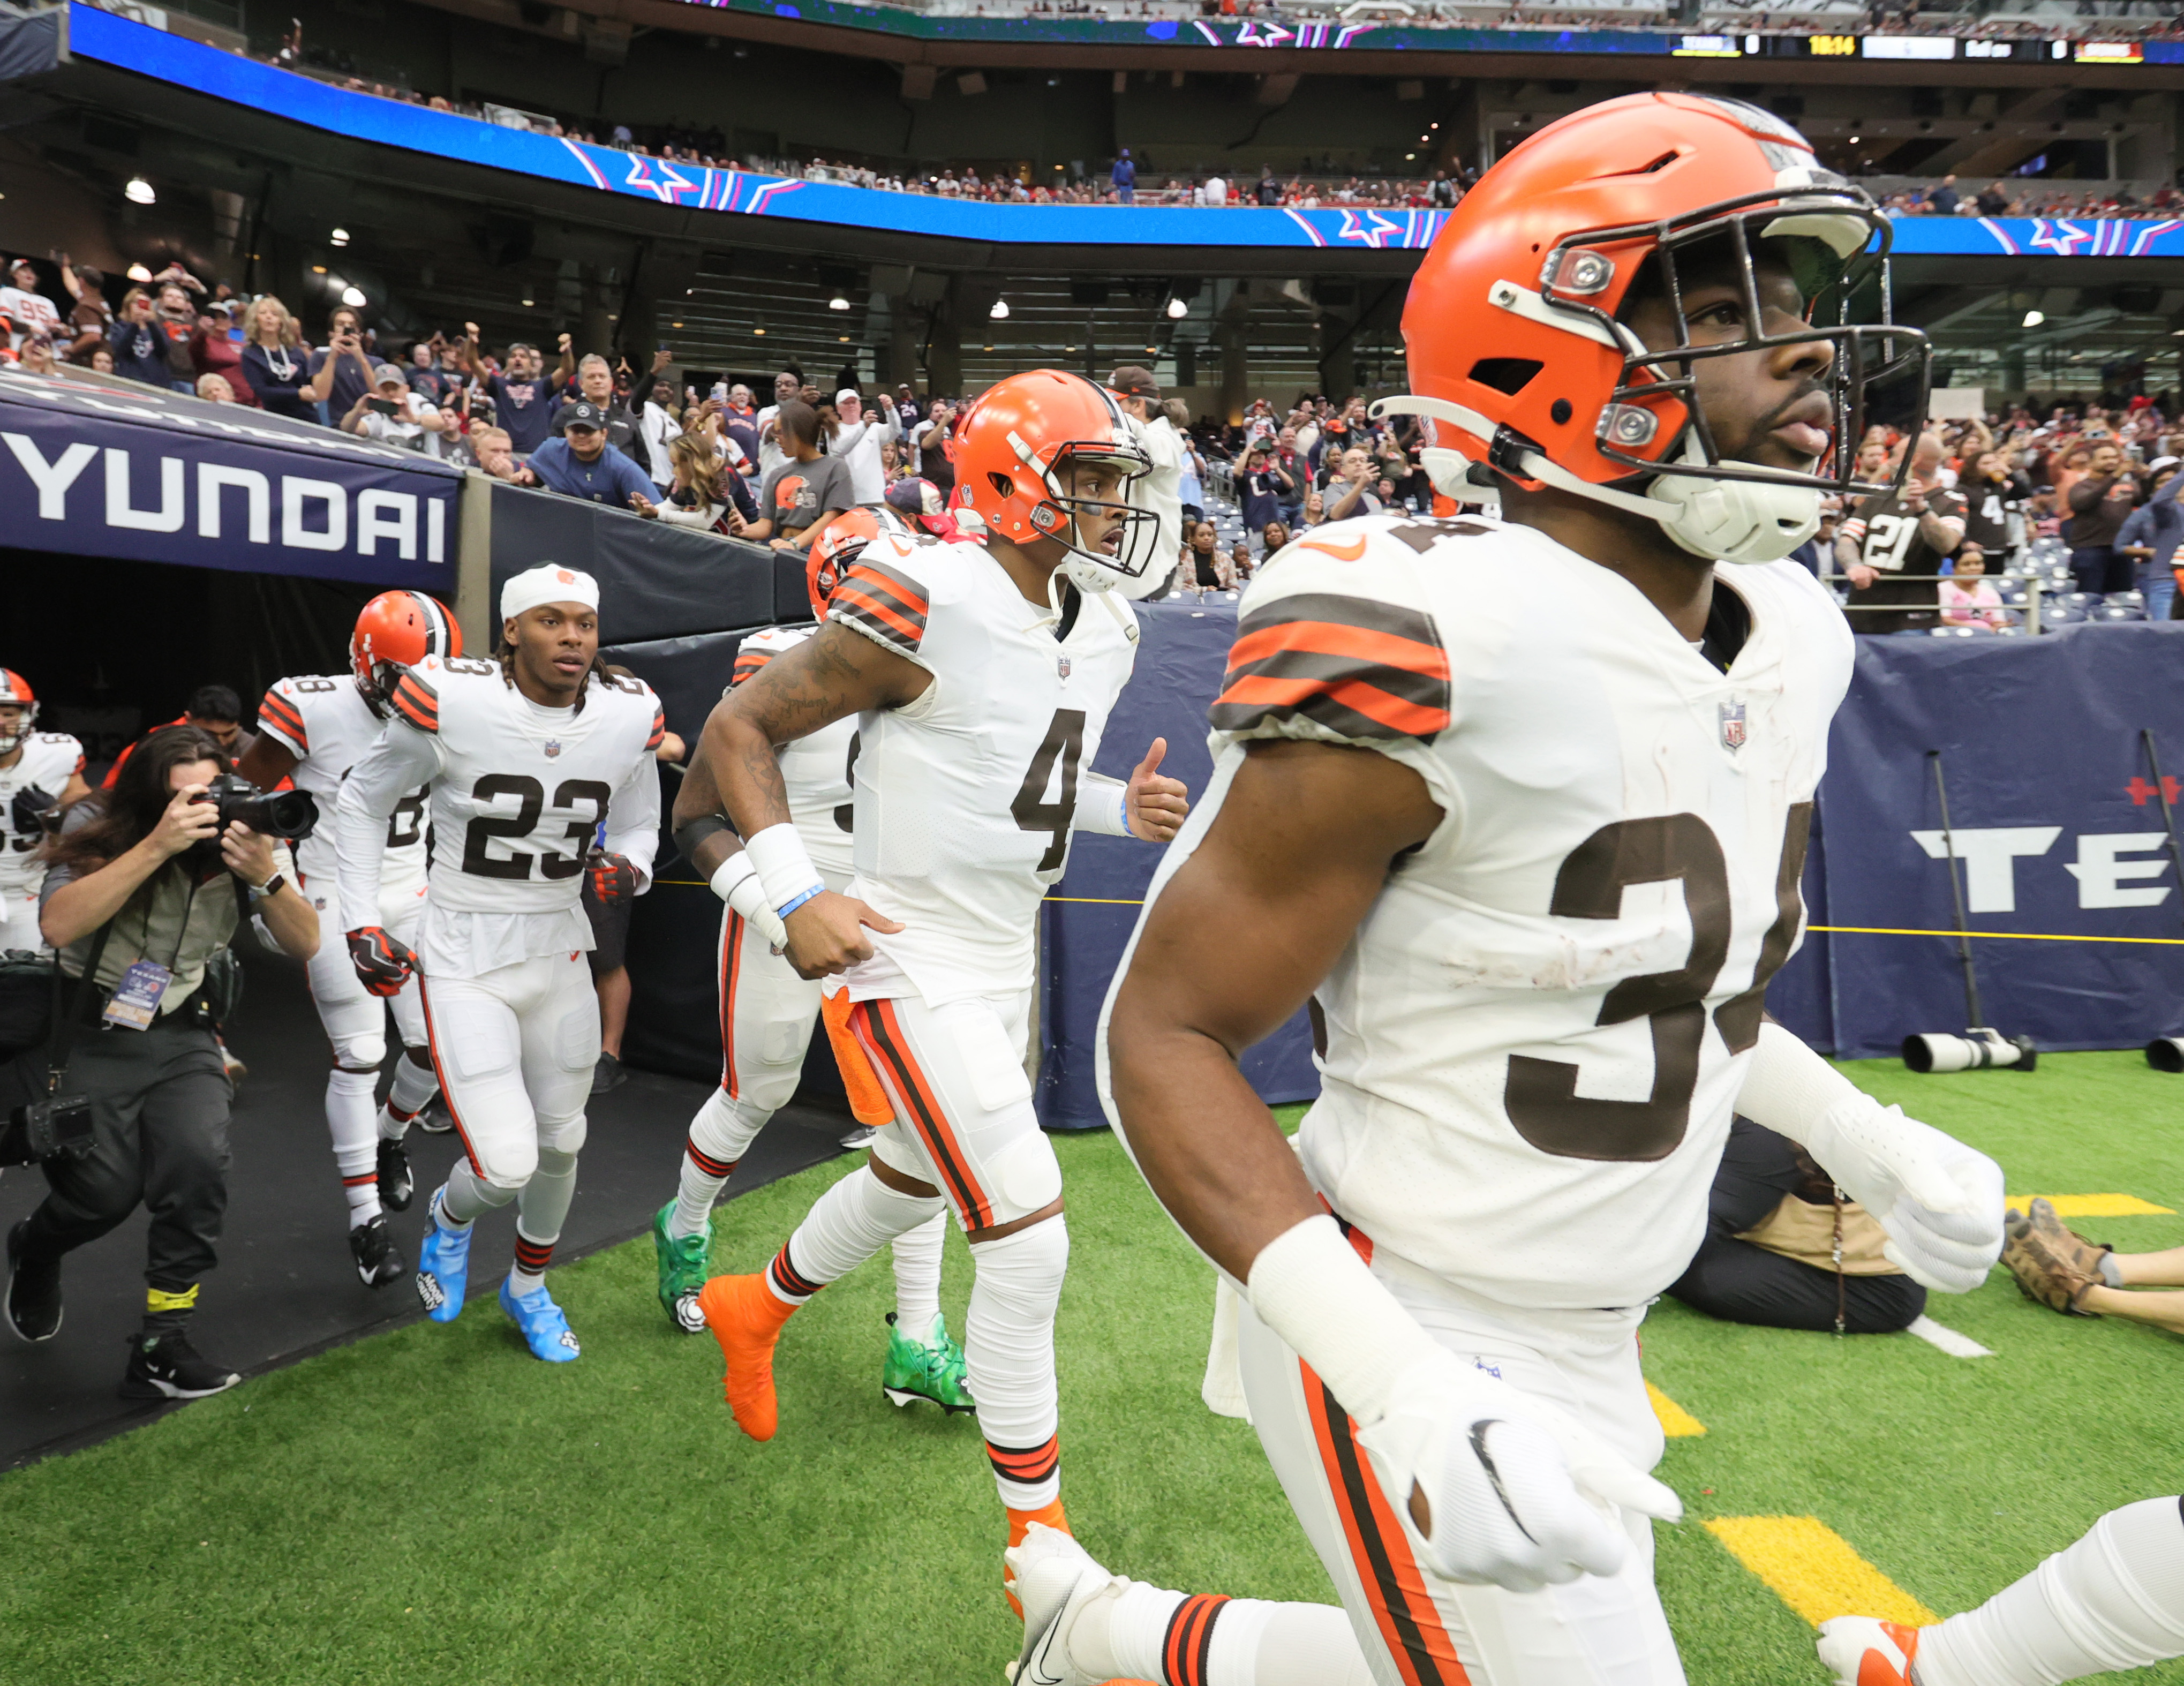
point(1541, 1095)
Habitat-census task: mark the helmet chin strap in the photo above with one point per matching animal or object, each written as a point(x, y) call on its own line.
point(1723, 521)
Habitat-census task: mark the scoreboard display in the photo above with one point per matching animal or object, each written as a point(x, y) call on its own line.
point(1904, 46)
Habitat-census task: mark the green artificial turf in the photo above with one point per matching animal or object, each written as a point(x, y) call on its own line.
point(432, 1504)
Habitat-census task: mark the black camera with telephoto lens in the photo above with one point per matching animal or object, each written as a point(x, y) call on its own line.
point(289, 814)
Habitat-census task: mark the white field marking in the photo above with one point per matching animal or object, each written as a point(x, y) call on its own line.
point(1947, 1338)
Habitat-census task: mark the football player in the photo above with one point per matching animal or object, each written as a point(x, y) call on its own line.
point(527, 754)
point(312, 730)
point(2114, 1599)
point(767, 1011)
point(982, 677)
point(1521, 807)
point(39, 771)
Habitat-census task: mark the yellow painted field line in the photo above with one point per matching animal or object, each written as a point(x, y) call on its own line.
point(2096, 1205)
point(1813, 1569)
point(2001, 936)
point(1675, 1421)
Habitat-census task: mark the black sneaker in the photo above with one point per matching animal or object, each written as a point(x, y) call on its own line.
point(395, 1185)
point(167, 1367)
point(607, 1074)
point(378, 1262)
point(434, 1120)
point(34, 1291)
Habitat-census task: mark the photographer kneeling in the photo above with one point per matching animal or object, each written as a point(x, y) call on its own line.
point(143, 885)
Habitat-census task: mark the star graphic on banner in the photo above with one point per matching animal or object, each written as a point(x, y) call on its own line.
point(2063, 238)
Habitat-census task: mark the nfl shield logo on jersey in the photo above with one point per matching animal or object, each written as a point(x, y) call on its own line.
point(1732, 726)
point(553, 744)
point(1062, 665)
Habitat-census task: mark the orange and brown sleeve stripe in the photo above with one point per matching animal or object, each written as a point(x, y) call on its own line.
point(285, 721)
point(658, 729)
point(417, 702)
point(1028, 1464)
point(878, 600)
point(1359, 667)
point(747, 662)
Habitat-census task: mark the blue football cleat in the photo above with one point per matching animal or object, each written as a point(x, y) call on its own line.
point(543, 1326)
point(444, 1268)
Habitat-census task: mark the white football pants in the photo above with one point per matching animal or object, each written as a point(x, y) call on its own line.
point(1596, 1631)
point(514, 1050)
point(355, 1021)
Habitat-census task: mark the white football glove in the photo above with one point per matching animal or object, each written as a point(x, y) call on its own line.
point(1521, 1493)
point(1940, 1202)
point(736, 881)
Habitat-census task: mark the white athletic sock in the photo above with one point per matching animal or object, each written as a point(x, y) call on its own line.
point(541, 1209)
point(349, 1121)
point(846, 1226)
point(918, 1276)
point(465, 1195)
point(720, 1132)
point(1147, 1633)
point(413, 1090)
point(1008, 1352)
point(2114, 1600)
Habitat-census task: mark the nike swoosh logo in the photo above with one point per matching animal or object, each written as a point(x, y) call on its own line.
point(1356, 548)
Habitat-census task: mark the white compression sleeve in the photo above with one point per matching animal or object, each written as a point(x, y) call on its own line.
point(2114, 1600)
point(1309, 1287)
point(402, 758)
point(1790, 1089)
point(633, 820)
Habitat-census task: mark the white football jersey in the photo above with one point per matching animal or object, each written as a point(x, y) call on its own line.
point(325, 724)
point(1535, 1042)
point(48, 761)
point(815, 770)
point(519, 794)
point(965, 798)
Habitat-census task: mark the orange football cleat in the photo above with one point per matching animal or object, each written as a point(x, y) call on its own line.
point(1863, 1651)
point(745, 1317)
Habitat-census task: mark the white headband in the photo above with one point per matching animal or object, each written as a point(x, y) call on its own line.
point(548, 582)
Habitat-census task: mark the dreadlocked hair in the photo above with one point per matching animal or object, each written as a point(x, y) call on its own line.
point(597, 673)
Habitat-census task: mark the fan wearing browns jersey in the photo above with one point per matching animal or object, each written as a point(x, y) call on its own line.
point(767, 1011)
point(1520, 805)
point(312, 729)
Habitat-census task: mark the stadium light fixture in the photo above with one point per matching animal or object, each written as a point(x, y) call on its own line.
point(527, 304)
point(137, 272)
point(139, 192)
point(339, 236)
point(838, 302)
point(354, 297)
point(999, 312)
point(2033, 318)
point(1177, 309)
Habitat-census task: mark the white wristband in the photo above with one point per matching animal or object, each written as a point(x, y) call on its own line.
point(1102, 806)
point(1309, 1287)
point(783, 865)
point(730, 873)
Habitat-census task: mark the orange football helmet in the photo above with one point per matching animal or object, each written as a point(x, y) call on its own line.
point(15, 692)
point(1515, 335)
point(835, 546)
point(1013, 450)
point(398, 630)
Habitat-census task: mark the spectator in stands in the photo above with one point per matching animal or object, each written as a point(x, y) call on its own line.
point(739, 420)
point(1353, 486)
point(1261, 487)
point(1890, 546)
point(1124, 179)
point(786, 386)
point(28, 310)
point(656, 429)
point(857, 440)
point(2150, 536)
point(595, 383)
point(1442, 195)
point(396, 415)
point(139, 349)
point(1268, 192)
point(214, 351)
point(522, 402)
point(1942, 198)
point(37, 354)
point(1207, 568)
point(2099, 504)
point(933, 462)
point(580, 464)
point(1272, 536)
point(1286, 457)
point(1212, 192)
point(705, 493)
point(93, 317)
point(342, 372)
point(1968, 599)
point(274, 363)
point(426, 376)
point(214, 391)
point(495, 453)
point(1993, 201)
point(807, 491)
point(1315, 508)
point(1190, 486)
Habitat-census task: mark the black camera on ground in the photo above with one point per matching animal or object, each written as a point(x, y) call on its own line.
point(289, 814)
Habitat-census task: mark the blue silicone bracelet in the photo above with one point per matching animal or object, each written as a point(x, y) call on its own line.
point(796, 902)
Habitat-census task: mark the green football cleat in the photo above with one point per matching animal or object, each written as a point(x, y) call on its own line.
point(682, 1269)
point(929, 1369)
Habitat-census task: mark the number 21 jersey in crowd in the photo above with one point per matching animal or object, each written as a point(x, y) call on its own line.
point(966, 798)
point(325, 724)
point(1534, 1042)
point(519, 791)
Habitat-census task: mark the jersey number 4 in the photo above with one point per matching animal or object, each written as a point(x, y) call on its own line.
point(1541, 1095)
point(1065, 743)
point(531, 798)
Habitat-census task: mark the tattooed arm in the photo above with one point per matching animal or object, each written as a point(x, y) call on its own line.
point(832, 674)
